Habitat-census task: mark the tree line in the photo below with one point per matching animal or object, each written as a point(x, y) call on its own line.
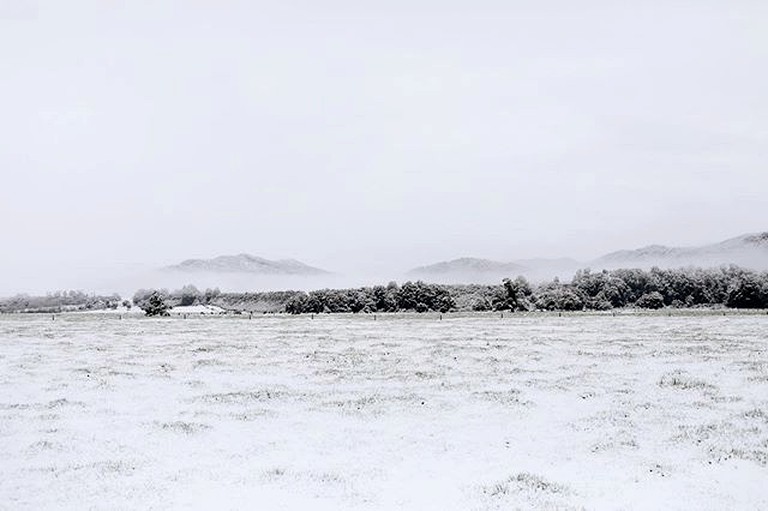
point(729, 286)
point(600, 290)
point(59, 301)
point(258, 302)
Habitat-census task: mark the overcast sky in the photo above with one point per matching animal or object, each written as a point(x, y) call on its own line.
point(365, 136)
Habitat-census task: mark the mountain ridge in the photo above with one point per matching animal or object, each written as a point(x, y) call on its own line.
point(246, 263)
point(467, 264)
point(748, 250)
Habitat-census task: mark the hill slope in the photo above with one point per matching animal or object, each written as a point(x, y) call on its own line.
point(467, 270)
point(246, 263)
point(466, 264)
point(748, 250)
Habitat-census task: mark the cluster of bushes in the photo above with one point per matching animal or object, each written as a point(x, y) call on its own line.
point(259, 302)
point(649, 289)
point(683, 287)
point(188, 295)
point(411, 296)
point(515, 295)
point(268, 301)
point(59, 302)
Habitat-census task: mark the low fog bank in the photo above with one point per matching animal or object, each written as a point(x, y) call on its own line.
point(126, 280)
point(489, 278)
point(127, 284)
point(98, 279)
point(243, 282)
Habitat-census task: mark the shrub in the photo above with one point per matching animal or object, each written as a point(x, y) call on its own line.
point(652, 300)
point(189, 295)
point(556, 296)
point(746, 292)
point(155, 305)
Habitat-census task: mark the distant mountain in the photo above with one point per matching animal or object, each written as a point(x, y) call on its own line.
point(246, 263)
point(466, 270)
point(467, 265)
point(748, 250)
point(645, 254)
point(752, 241)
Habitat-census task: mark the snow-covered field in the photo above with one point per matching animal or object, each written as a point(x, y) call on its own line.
point(400, 412)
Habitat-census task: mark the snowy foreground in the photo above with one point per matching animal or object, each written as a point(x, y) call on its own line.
point(401, 412)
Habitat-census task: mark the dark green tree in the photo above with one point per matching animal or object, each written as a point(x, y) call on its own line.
point(747, 292)
point(652, 300)
point(155, 305)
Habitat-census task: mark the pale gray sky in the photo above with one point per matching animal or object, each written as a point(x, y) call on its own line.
point(369, 136)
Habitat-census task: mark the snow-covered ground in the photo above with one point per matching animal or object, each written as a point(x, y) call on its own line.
point(397, 412)
point(182, 310)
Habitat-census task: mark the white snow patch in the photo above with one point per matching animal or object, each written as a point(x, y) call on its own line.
point(196, 309)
